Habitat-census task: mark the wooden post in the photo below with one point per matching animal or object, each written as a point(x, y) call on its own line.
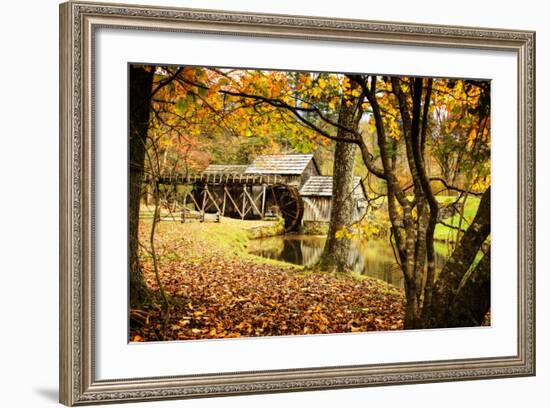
point(263, 201)
point(147, 192)
point(184, 207)
point(244, 202)
point(203, 201)
point(223, 202)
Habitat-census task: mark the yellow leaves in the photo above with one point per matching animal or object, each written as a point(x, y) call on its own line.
point(273, 88)
point(201, 113)
point(344, 232)
point(371, 229)
point(333, 103)
point(356, 92)
point(472, 134)
point(214, 89)
point(482, 183)
point(304, 81)
point(165, 143)
point(189, 74)
point(276, 90)
point(325, 88)
point(451, 126)
point(393, 129)
point(346, 84)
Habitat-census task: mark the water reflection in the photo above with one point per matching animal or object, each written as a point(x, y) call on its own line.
point(373, 257)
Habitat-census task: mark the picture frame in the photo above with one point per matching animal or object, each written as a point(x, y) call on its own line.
point(79, 24)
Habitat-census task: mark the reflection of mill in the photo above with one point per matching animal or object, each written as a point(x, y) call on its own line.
point(299, 252)
point(310, 252)
point(307, 251)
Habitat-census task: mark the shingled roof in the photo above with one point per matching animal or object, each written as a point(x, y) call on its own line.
point(293, 164)
point(321, 186)
point(226, 168)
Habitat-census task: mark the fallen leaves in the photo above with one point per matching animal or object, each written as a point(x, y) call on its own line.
point(230, 298)
point(215, 295)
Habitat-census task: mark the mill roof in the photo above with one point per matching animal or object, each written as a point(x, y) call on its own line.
point(321, 186)
point(226, 168)
point(291, 164)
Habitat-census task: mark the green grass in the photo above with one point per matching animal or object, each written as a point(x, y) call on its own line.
point(444, 233)
point(192, 239)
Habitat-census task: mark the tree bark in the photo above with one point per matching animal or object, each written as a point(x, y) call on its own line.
point(473, 300)
point(447, 286)
point(336, 251)
point(141, 82)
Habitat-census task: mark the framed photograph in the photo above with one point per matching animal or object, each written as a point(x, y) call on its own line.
point(255, 203)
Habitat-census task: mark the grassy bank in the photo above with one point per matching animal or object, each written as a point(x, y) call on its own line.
point(228, 238)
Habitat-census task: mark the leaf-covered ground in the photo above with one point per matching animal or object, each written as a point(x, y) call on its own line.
point(216, 290)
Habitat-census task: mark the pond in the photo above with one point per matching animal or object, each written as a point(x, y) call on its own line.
point(373, 257)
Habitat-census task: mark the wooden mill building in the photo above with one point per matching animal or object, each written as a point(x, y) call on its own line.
point(317, 196)
point(300, 171)
point(286, 184)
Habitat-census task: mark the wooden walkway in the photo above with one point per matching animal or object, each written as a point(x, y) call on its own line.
point(221, 179)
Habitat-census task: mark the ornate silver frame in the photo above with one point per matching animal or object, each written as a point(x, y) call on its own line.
point(78, 21)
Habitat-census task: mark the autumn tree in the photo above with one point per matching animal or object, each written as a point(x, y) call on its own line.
point(337, 247)
point(459, 137)
point(142, 90)
point(141, 83)
point(433, 300)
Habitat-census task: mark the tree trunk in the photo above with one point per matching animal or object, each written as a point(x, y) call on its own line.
point(141, 82)
point(446, 297)
point(336, 251)
point(473, 300)
point(457, 298)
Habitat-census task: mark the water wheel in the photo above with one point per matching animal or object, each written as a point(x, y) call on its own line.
point(290, 204)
